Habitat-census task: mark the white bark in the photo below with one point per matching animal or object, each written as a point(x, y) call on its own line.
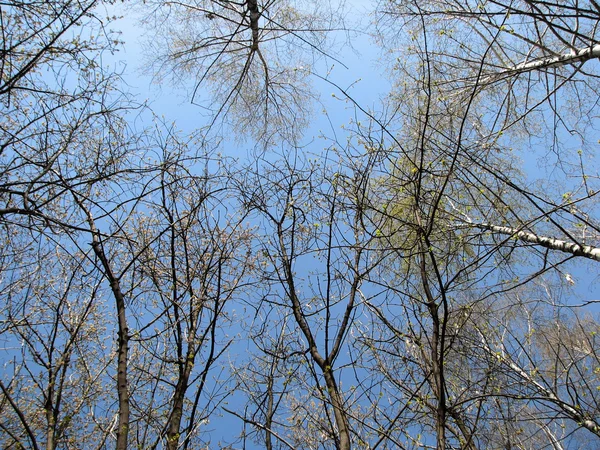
point(587, 251)
point(576, 56)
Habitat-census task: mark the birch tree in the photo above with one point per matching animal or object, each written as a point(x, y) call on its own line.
point(521, 47)
point(459, 225)
point(524, 72)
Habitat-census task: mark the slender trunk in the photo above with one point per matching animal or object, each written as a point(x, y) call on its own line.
point(269, 414)
point(576, 56)
point(122, 333)
point(122, 346)
point(437, 354)
point(185, 363)
point(438, 379)
point(587, 251)
point(50, 436)
point(122, 384)
point(341, 419)
point(50, 414)
point(174, 424)
point(254, 16)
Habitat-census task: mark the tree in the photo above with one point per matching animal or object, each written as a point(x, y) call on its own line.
point(249, 61)
point(449, 180)
point(75, 181)
point(312, 213)
point(532, 51)
point(54, 353)
point(58, 131)
point(190, 257)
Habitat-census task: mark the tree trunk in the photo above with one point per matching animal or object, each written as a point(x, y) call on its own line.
point(587, 251)
point(577, 56)
point(341, 418)
point(174, 424)
point(122, 343)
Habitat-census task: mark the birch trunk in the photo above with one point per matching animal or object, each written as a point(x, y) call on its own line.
point(577, 56)
point(586, 251)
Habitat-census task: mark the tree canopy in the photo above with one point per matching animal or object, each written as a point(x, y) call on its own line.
point(303, 269)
